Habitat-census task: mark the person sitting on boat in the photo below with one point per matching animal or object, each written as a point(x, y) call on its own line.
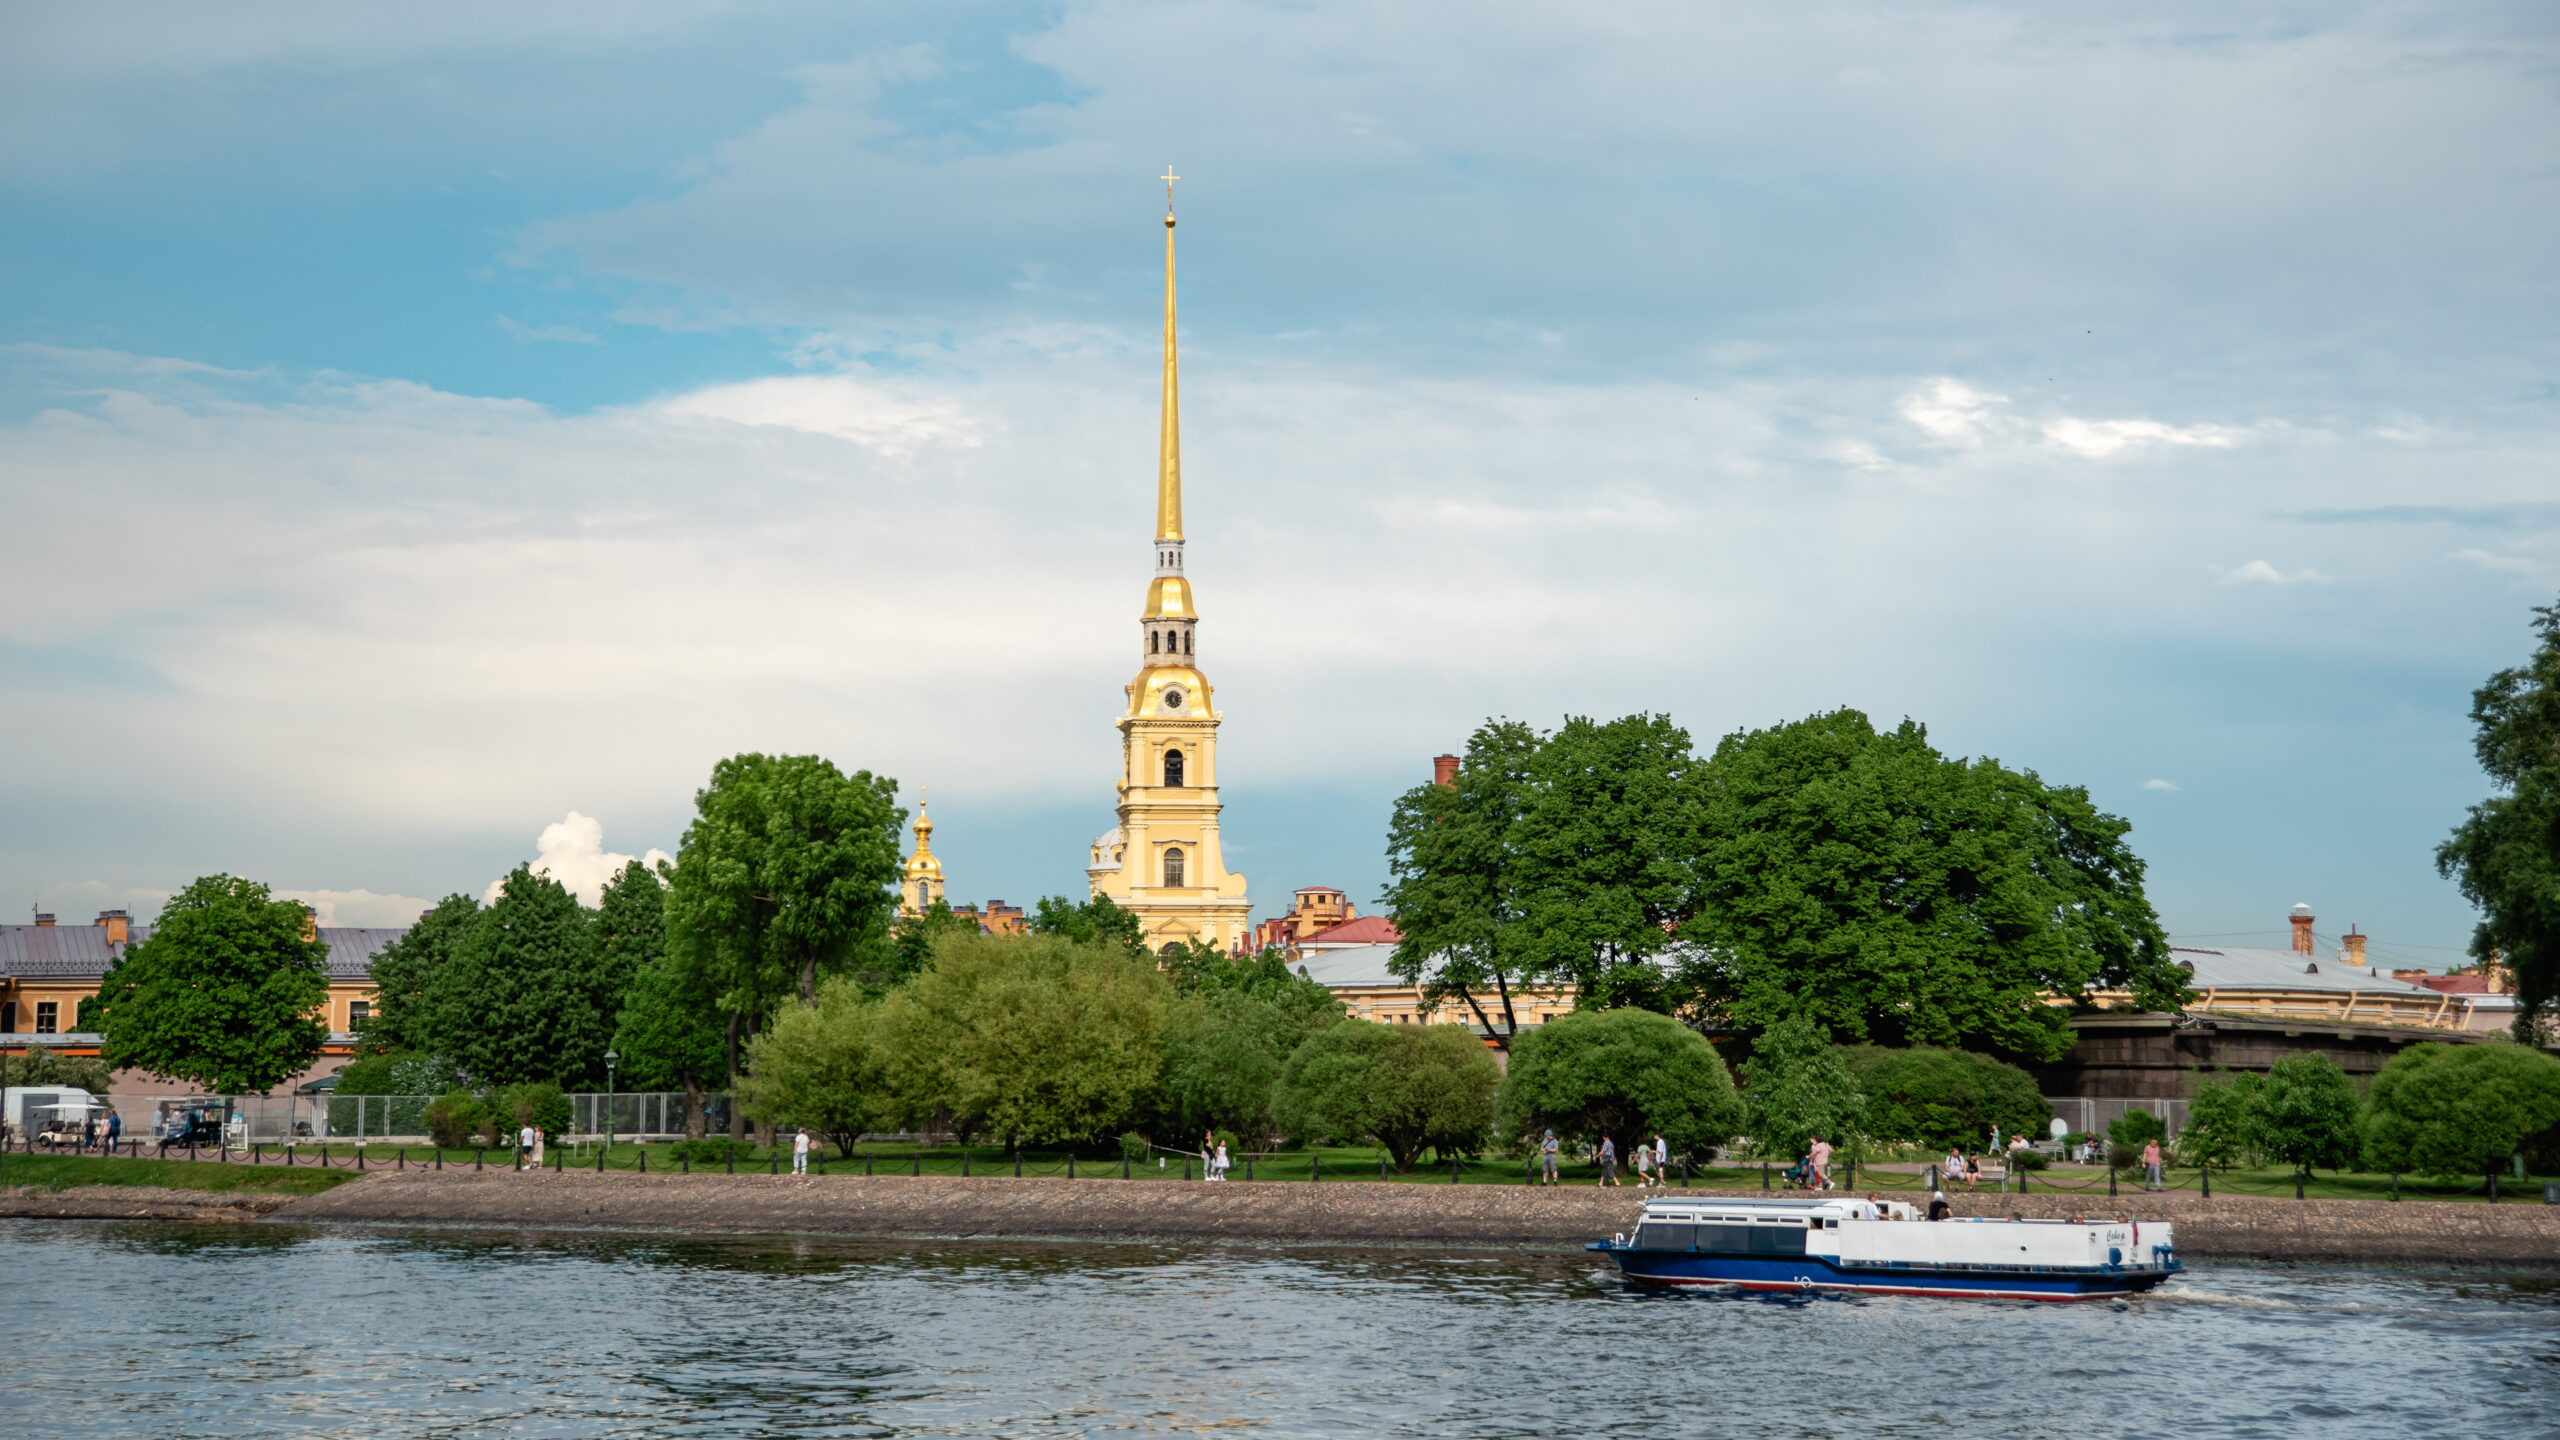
point(1939, 1209)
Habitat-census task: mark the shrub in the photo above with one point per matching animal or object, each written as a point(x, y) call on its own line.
point(2135, 1129)
point(1800, 1090)
point(2029, 1159)
point(2461, 1109)
point(1621, 1073)
point(1407, 1087)
point(541, 1104)
point(2223, 1121)
point(455, 1121)
point(2308, 1113)
point(1133, 1148)
point(713, 1150)
point(1929, 1096)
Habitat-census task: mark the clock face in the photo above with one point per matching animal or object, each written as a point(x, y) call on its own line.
point(1173, 697)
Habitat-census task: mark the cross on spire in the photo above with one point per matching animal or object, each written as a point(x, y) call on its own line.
point(1168, 177)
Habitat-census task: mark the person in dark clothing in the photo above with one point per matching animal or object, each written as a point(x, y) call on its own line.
point(1939, 1209)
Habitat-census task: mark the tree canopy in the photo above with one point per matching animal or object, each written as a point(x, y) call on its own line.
point(1624, 1074)
point(1938, 1097)
point(400, 1021)
point(2506, 853)
point(1800, 1090)
point(1455, 890)
point(1094, 921)
point(1028, 1039)
point(1407, 1087)
point(224, 994)
point(1896, 896)
point(2443, 1109)
point(523, 994)
point(783, 876)
point(822, 1066)
point(2307, 1113)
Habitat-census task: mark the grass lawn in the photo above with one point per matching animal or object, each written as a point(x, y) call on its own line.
point(59, 1172)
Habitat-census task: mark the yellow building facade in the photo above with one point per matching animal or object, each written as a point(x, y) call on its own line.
point(1164, 861)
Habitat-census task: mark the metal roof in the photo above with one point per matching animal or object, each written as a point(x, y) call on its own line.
point(81, 952)
point(2242, 969)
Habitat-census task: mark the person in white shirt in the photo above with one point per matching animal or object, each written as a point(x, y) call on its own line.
point(1222, 1160)
point(1661, 1159)
point(800, 1153)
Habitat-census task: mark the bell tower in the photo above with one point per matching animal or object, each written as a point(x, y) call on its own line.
point(1164, 861)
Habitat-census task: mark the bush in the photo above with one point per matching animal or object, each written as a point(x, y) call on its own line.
point(1929, 1096)
point(1133, 1148)
point(1624, 1074)
point(2134, 1129)
point(713, 1150)
point(541, 1104)
point(2029, 1159)
point(1799, 1091)
point(1407, 1087)
point(2461, 1109)
point(456, 1120)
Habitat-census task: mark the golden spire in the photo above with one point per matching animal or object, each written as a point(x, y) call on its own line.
point(923, 862)
point(1169, 441)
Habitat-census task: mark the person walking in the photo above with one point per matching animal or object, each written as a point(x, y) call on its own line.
point(1661, 1160)
point(2151, 1165)
point(800, 1152)
point(1608, 1162)
point(541, 1142)
point(115, 1131)
point(1821, 1163)
point(524, 1145)
point(1223, 1162)
point(1642, 1162)
point(1547, 1149)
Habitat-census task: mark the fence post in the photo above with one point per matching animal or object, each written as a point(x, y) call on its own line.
point(866, 1164)
point(1248, 1164)
point(1315, 1166)
point(1124, 1165)
point(1453, 1169)
point(2395, 1184)
point(1071, 1166)
point(2206, 1171)
point(1186, 1164)
point(1382, 1167)
point(1017, 1162)
point(773, 1162)
point(733, 1162)
point(1764, 1174)
point(918, 1157)
point(253, 1152)
point(644, 1162)
point(964, 1162)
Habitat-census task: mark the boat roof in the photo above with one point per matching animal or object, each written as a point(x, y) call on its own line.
point(1669, 1206)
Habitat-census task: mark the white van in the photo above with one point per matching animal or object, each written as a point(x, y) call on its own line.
point(50, 1104)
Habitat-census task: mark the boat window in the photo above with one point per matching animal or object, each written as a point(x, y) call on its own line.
point(1830, 1224)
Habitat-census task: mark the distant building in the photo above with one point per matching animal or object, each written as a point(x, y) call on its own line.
point(921, 885)
point(2301, 983)
point(1311, 908)
point(1357, 975)
point(46, 970)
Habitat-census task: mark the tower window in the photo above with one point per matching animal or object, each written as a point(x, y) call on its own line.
point(1186, 642)
point(1152, 639)
point(1173, 770)
point(1173, 865)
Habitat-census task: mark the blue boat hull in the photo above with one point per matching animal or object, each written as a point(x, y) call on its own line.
point(1677, 1269)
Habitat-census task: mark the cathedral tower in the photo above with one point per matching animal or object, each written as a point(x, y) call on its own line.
point(1165, 862)
point(921, 887)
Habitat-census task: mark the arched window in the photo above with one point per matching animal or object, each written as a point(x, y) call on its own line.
point(1152, 639)
point(1173, 865)
point(1186, 642)
point(1173, 768)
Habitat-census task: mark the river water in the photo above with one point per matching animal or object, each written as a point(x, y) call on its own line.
point(156, 1329)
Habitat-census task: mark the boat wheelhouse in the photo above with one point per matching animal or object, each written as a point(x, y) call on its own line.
point(1885, 1247)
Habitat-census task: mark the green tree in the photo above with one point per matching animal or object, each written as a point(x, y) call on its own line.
point(1407, 1087)
point(1606, 845)
point(2506, 854)
point(1031, 1039)
point(1455, 890)
point(1624, 1074)
point(225, 994)
point(911, 940)
point(2442, 1109)
point(631, 926)
point(1936, 1097)
point(783, 878)
point(1899, 897)
point(401, 973)
point(523, 995)
point(1230, 1028)
point(1799, 1090)
point(672, 1034)
point(539, 1103)
point(821, 1066)
point(1097, 921)
point(52, 1068)
point(2307, 1113)
point(2224, 1121)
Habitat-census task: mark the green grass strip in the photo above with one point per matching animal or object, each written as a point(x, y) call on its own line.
point(61, 1172)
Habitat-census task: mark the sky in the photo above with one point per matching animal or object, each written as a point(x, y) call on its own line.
point(431, 437)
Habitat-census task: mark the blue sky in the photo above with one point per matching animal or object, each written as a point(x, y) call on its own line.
point(420, 427)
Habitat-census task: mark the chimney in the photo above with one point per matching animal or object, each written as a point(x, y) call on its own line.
point(44, 917)
point(2355, 948)
point(1444, 770)
point(2301, 929)
point(118, 924)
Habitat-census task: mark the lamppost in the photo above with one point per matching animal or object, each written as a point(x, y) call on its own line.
point(610, 1060)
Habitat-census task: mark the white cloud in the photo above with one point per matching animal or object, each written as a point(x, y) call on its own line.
point(572, 852)
point(2156, 784)
point(835, 405)
point(1953, 412)
point(2498, 564)
point(2259, 572)
point(361, 908)
point(2098, 439)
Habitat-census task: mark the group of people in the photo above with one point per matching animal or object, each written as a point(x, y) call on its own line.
point(1650, 1159)
point(1213, 1157)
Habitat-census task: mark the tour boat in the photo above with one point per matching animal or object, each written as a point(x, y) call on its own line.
point(1885, 1248)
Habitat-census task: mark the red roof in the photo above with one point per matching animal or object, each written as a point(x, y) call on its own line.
point(1367, 930)
point(2474, 984)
